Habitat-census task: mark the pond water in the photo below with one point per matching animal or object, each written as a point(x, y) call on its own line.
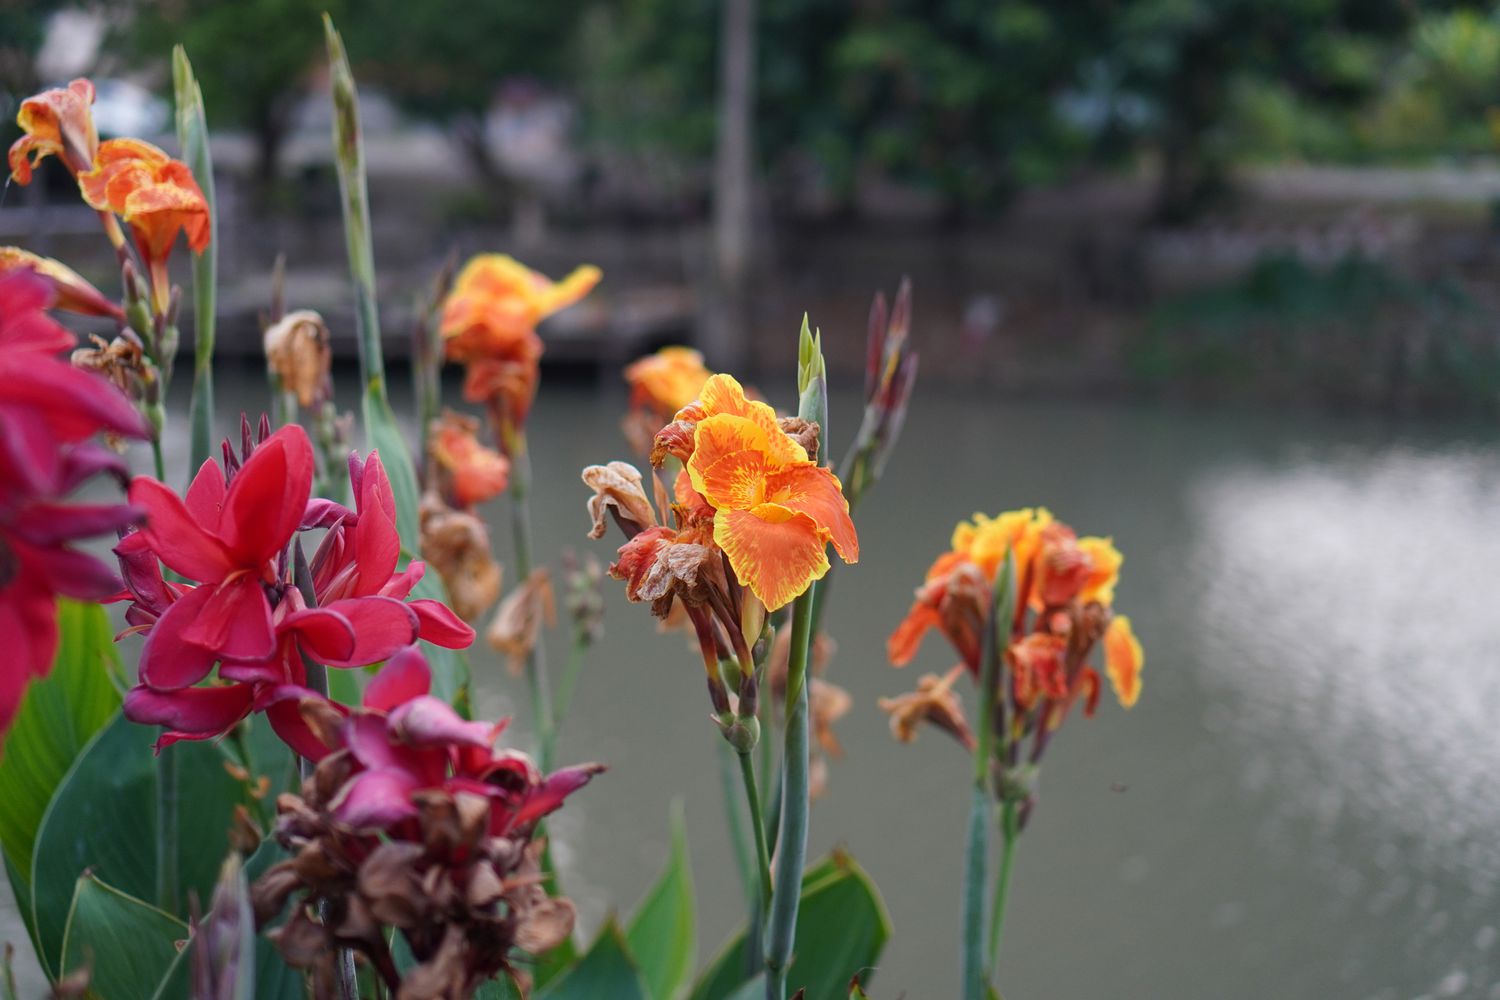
point(1302, 805)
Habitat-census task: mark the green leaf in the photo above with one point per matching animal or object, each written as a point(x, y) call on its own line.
point(842, 927)
point(129, 945)
point(753, 989)
point(663, 934)
point(103, 820)
point(607, 970)
point(192, 135)
point(58, 716)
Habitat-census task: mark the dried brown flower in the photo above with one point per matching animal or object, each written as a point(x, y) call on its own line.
point(518, 622)
point(457, 545)
point(804, 432)
point(933, 702)
point(617, 489)
point(299, 354)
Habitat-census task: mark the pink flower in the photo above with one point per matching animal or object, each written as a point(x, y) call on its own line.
point(48, 411)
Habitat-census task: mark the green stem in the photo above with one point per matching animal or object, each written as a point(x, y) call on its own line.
point(741, 846)
point(520, 530)
point(1010, 831)
point(569, 681)
point(791, 851)
point(158, 461)
point(762, 900)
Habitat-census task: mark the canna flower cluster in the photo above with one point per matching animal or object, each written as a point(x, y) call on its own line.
point(488, 323)
point(752, 515)
point(1063, 611)
point(230, 537)
point(660, 385)
point(413, 820)
point(49, 411)
point(464, 471)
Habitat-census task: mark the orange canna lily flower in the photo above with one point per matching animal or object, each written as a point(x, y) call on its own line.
point(468, 473)
point(73, 292)
point(497, 302)
point(666, 381)
point(156, 196)
point(776, 511)
point(57, 123)
point(1123, 660)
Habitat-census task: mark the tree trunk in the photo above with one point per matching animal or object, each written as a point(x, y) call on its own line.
point(728, 329)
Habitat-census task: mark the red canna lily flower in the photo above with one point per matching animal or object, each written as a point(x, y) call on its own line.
point(48, 411)
point(57, 123)
point(776, 510)
point(156, 196)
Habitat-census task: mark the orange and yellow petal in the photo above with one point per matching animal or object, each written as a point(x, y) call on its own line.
point(691, 505)
point(728, 436)
point(1104, 569)
point(667, 380)
point(774, 551)
point(723, 395)
point(1123, 660)
point(555, 297)
point(816, 492)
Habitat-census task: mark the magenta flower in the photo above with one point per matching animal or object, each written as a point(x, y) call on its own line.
point(48, 411)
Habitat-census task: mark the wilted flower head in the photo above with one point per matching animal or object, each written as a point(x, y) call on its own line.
point(156, 196)
point(933, 702)
point(122, 361)
point(457, 545)
point(413, 821)
point(57, 123)
point(618, 491)
point(518, 622)
point(468, 473)
point(299, 354)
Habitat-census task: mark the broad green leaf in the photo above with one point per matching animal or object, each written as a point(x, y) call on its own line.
point(753, 989)
point(842, 927)
point(103, 820)
point(606, 970)
point(128, 944)
point(663, 934)
point(58, 716)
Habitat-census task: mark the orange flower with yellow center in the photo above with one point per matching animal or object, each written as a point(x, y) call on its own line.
point(469, 472)
point(57, 123)
point(497, 302)
point(776, 511)
point(666, 381)
point(156, 196)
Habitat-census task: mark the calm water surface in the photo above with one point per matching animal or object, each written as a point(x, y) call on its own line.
point(1300, 807)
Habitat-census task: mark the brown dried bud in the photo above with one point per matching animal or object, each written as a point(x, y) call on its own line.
point(804, 432)
point(518, 622)
point(299, 354)
point(244, 833)
point(617, 488)
point(121, 361)
point(457, 544)
point(675, 439)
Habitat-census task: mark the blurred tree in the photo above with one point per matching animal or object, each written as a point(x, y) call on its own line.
point(1182, 59)
point(443, 59)
point(23, 23)
point(252, 59)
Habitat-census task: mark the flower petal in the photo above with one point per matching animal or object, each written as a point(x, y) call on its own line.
point(376, 799)
point(205, 496)
point(198, 711)
point(1123, 660)
point(438, 625)
point(774, 551)
point(426, 721)
point(235, 621)
point(268, 496)
point(174, 535)
point(816, 492)
point(405, 676)
point(381, 626)
point(377, 546)
point(168, 660)
point(903, 643)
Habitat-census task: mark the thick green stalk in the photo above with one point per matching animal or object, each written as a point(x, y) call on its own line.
point(192, 134)
point(564, 699)
point(976, 846)
point(762, 899)
point(791, 849)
